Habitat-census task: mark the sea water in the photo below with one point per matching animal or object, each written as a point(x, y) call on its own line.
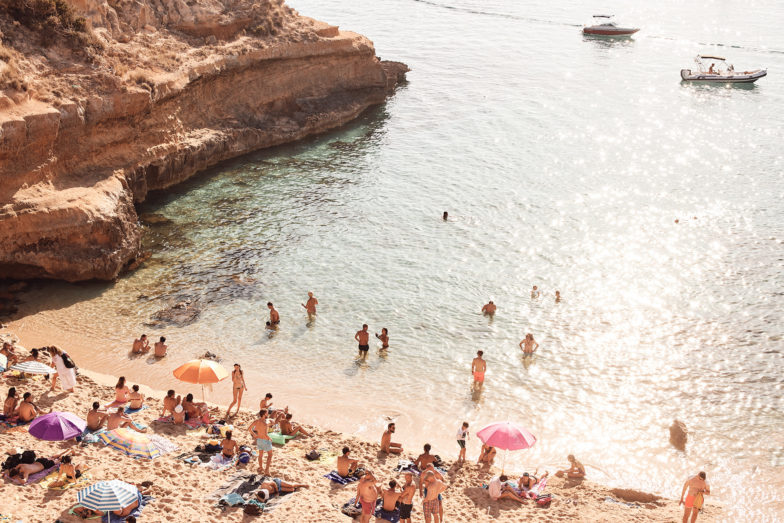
point(575, 164)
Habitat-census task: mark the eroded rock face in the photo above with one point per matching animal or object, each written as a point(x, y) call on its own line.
point(678, 435)
point(89, 140)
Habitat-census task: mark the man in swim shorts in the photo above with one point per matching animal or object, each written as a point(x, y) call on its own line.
point(478, 368)
point(407, 498)
point(431, 505)
point(387, 445)
point(346, 465)
point(310, 306)
point(367, 494)
point(275, 486)
point(258, 430)
point(363, 338)
point(489, 308)
point(697, 487)
point(274, 318)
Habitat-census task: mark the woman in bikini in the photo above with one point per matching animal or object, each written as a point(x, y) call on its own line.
point(384, 337)
point(238, 379)
point(121, 392)
point(530, 345)
point(9, 407)
point(67, 469)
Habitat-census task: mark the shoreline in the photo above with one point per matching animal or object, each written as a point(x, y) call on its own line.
point(584, 501)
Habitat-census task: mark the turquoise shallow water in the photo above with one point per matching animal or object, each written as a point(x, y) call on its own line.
point(563, 162)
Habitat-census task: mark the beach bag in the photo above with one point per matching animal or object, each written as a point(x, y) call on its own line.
point(244, 457)
point(544, 500)
point(68, 362)
point(212, 446)
point(313, 455)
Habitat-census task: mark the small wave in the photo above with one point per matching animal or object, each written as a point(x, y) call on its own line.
point(569, 24)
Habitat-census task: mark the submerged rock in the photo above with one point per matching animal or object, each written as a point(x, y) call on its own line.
point(678, 435)
point(179, 315)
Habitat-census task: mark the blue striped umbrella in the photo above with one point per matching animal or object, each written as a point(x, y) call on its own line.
point(107, 495)
point(33, 367)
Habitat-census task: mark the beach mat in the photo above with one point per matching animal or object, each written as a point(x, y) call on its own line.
point(337, 478)
point(81, 481)
point(129, 410)
point(239, 483)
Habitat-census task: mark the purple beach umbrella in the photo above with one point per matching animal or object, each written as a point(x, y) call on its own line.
point(57, 426)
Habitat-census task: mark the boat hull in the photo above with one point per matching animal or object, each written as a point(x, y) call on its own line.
point(620, 31)
point(688, 76)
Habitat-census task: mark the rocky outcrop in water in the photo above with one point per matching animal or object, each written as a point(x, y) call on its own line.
point(679, 435)
point(149, 93)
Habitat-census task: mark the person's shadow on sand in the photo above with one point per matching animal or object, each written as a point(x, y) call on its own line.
point(481, 499)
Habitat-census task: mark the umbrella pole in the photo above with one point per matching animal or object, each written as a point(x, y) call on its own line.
point(202, 394)
point(503, 464)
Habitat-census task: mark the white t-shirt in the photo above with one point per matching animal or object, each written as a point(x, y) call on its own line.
point(495, 487)
point(462, 434)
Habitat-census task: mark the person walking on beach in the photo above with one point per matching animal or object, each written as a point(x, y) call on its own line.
point(694, 489)
point(462, 436)
point(66, 374)
point(367, 494)
point(160, 347)
point(258, 430)
point(489, 308)
point(238, 387)
point(310, 306)
point(478, 369)
point(141, 345)
point(431, 504)
point(387, 445)
point(407, 498)
point(363, 339)
point(274, 317)
point(384, 337)
point(529, 345)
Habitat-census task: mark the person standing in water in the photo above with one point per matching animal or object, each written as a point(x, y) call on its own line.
point(478, 368)
point(535, 293)
point(363, 339)
point(238, 387)
point(557, 296)
point(274, 317)
point(141, 345)
point(446, 216)
point(529, 345)
point(310, 306)
point(384, 337)
point(697, 487)
point(489, 308)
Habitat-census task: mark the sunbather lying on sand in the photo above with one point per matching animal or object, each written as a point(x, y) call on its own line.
point(276, 486)
point(529, 481)
point(20, 473)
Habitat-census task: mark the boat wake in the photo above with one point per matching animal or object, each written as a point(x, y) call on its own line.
point(569, 24)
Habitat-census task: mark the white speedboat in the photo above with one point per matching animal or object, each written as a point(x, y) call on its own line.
point(603, 25)
point(720, 72)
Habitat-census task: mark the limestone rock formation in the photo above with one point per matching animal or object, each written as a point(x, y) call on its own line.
point(150, 93)
point(678, 435)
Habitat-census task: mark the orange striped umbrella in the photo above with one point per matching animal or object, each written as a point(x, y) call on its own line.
point(201, 372)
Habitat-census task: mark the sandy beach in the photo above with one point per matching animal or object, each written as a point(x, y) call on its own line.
point(183, 489)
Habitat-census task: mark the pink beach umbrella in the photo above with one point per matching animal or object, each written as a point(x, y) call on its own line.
point(506, 436)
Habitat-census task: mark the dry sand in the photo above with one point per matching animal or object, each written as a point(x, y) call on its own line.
point(180, 489)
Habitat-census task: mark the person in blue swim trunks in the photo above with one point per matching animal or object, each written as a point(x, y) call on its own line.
point(259, 429)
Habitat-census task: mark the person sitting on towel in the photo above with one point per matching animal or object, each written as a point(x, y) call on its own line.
point(287, 428)
point(136, 399)
point(119, 419)
point(498, 489)
point(228, 446)
point(69, 470)
point(390, 498)
point(96, 419)
point(346, 465)
point(27, 411)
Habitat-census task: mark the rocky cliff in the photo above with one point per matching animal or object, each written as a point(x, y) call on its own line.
point(102, 101)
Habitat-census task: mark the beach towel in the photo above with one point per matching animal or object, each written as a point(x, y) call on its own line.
point(129, 410)
point(538, 489)
point(192, 424)
point(277, 501)
point(220, 462)
point(73, 513)
point(194, 458)
point(137, 512)
point(164, 445)
point(81, 481)
point(278, 438)
point(89, 436)
point(327, 456)
point(393, 516)
point(34, 478)
point(231, 499)
point(242, 483)
point(337, 478)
